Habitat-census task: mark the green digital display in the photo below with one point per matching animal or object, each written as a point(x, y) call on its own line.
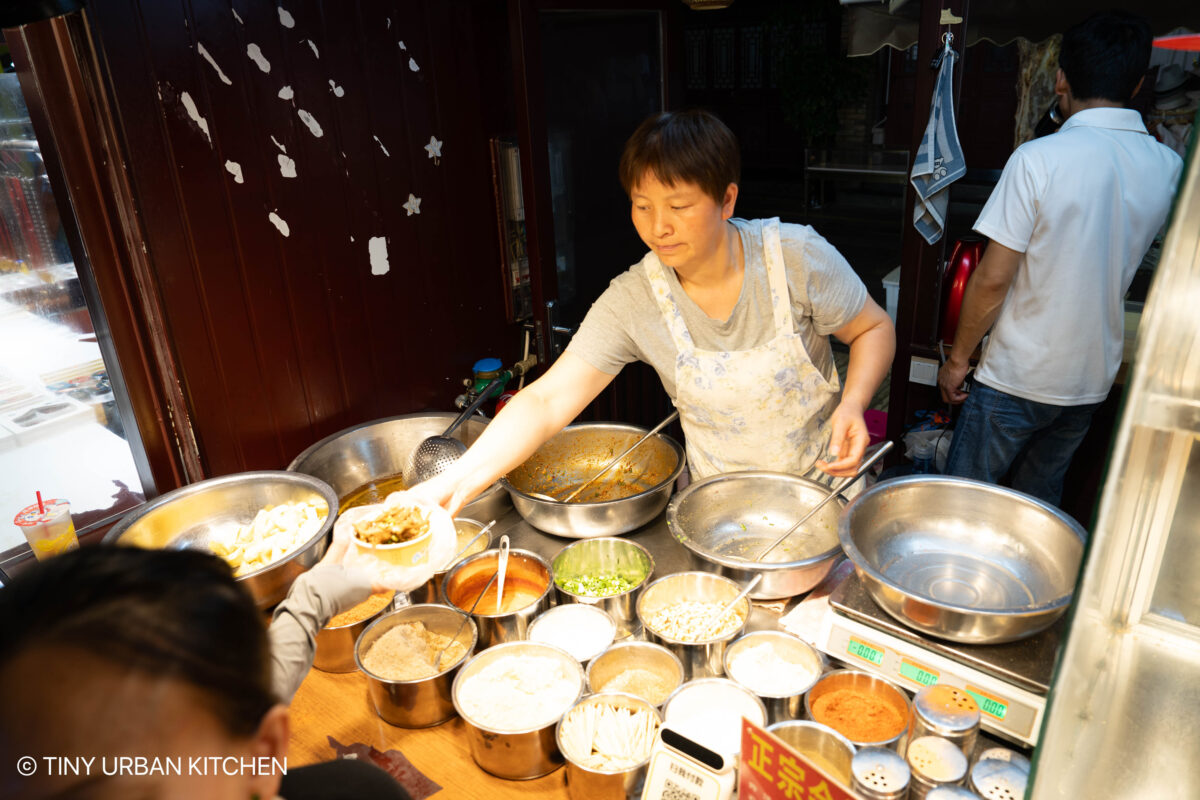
point(989, 706)
point(916, 674)
point(865, 652)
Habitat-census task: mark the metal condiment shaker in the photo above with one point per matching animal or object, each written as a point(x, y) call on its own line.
point(879, 773)
point(948, 712)
point(934, 762)
point(998, 777)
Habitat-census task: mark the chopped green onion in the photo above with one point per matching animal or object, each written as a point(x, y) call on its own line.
point(597, 585)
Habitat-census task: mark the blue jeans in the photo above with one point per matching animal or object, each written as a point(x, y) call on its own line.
point(998, 434)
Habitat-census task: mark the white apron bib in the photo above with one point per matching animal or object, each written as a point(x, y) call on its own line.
point(766, 408)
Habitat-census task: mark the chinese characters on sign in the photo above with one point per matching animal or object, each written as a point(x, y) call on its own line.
point(771, 770)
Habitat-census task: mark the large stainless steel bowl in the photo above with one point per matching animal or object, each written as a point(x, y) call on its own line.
point(608, 507)
point(963, 560)
point(377, 449)
point(193, 515)
point(728, 519)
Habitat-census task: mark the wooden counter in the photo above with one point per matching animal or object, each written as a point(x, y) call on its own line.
point(338, 705)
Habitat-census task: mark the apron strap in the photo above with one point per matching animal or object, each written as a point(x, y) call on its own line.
point(661, 289)
point(781, 307)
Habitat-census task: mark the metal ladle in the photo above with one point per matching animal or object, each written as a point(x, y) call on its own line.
point(862, 470)
point(501, 567)
point(436, 454)
point(669, 419)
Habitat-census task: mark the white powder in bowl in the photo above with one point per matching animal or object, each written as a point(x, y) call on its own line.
point(516, 692)
point(767, 671)
point(582, 630)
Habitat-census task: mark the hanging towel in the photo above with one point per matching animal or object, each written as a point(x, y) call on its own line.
point(939, 161)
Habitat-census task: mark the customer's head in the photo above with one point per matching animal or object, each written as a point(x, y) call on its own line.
point(682, 147)
point(1105, 56)
point(119, 652)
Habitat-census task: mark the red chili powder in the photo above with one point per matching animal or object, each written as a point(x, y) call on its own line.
point(858, 715)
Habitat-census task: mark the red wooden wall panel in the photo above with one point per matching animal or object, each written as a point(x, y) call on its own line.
point(283, 339)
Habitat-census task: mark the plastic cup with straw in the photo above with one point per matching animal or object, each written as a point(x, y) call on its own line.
point(48, 527)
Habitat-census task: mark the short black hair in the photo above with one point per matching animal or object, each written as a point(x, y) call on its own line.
point(691, 146)
point(1105, 56)
point(166, 613)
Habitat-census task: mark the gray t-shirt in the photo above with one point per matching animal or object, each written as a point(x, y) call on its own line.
point(625, 323)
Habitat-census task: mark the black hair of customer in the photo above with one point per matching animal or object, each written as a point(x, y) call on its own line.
point(1106, 55)
point(165, 613)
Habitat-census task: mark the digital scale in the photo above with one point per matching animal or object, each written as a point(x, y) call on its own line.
point(1008, 681)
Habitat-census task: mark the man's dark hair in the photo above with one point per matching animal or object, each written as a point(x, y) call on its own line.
point(682, 147)
point(165, 613)
point(1105, 56)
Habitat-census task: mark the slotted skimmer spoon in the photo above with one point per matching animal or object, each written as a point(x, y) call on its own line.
point(862, 470)
point(435, 454)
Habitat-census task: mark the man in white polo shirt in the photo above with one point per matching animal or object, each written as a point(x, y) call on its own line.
point(1068, 223)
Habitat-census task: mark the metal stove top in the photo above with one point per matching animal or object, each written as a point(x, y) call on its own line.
point(1028, 663)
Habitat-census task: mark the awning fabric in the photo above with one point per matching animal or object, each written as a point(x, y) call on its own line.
point(1000, 21)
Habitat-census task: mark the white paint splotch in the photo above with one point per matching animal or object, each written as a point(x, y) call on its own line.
point(337, 90)
point(316, 52)
point(238, 16)
point(276, 142)
point(203, 51)
point(189, 105)
point(286, 19)
point(279, 223)
point(286, 93)
point(314, 127)
point(287, 167)
point(256, 55)
point(402, 47)
point(381, 147)
point(377, 247)
point(235, 169)
point(412, 64)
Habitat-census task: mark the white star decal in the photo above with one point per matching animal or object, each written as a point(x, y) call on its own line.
point(413, 206)
point(434, 148)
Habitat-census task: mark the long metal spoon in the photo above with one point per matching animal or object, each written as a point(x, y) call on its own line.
point(501, 569)
point(670, 418)
point(862, 470)
point(720, 615)
point(437, 661)
point(474, 539)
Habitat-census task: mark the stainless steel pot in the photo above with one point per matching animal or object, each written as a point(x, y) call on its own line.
point(377, 449)
point(607, 555)
point(424, 702)
point(193, 515)
point(590, 783)
point(827, 748)
point(807, 664)
point(466, 579)
point(725, 521)
point(700, 659)
point(963, 560)
point(577, 453)
point(519, 754)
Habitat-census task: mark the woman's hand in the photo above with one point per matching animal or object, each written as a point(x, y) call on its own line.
point(848, 442)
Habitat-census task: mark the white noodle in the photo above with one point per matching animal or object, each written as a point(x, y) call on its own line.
point(605, 737)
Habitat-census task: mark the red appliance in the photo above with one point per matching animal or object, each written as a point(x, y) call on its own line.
point(964, 258)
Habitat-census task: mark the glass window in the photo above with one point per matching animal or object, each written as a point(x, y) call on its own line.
point(60, 430)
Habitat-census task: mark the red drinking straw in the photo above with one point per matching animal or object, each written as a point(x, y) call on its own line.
point(41, 506)
point(1181, 41)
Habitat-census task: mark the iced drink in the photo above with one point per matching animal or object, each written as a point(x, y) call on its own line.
point(49, 529)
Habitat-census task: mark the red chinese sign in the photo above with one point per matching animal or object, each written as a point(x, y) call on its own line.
point(771, 770)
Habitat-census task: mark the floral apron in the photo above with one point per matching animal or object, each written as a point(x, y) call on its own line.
point(766, 408)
